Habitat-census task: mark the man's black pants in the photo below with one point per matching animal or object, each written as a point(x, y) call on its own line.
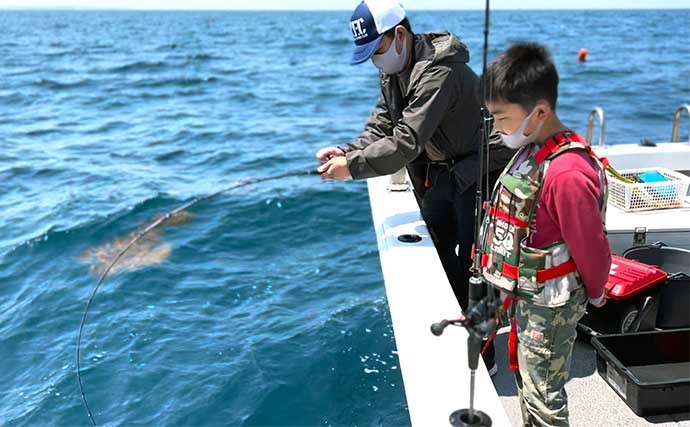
point(449, 215)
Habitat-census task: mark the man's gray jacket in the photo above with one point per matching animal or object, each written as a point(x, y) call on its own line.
point(430, 112)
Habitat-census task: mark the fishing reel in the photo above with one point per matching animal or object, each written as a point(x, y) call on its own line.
point(481, 321)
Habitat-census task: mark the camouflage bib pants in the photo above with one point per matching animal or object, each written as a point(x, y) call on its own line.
point(546, 337)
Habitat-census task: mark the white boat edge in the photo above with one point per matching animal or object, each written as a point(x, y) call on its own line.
point(434, 369)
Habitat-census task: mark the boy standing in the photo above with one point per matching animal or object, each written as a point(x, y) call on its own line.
point(543, 238)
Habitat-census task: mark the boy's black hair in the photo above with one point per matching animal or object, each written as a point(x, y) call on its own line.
point(405, 23)
point(524, 74)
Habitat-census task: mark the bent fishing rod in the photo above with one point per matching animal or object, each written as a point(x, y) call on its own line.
point(148, 229)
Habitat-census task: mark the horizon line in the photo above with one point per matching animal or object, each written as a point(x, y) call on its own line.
point(124, 9)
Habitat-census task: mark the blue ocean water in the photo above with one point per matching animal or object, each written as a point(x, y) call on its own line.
point(268, 307)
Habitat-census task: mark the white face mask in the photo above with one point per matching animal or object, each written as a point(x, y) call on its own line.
point(391, 62)
point(518, 139)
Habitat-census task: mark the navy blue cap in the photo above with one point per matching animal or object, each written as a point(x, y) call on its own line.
point(370, 20)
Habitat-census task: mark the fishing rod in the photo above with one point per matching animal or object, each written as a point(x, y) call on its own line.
point(149, 228)
point(480, 320)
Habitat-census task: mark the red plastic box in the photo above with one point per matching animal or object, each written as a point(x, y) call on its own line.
point(629, 277)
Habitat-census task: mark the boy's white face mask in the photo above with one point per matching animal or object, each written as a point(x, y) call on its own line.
point(518, 139)
point(391, 62)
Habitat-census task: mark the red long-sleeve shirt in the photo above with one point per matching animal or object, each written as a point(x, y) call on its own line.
point(569, 210)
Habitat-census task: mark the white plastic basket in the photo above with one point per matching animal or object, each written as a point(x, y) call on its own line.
point(648, 195)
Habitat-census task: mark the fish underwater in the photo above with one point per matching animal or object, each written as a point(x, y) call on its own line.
point(150, 249)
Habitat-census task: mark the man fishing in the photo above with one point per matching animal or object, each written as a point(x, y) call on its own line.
point(427, 118)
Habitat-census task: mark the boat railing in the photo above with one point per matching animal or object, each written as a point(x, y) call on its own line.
point(598, 112)
point(676, 121)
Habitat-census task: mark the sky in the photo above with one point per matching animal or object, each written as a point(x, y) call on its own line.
point(342, 4)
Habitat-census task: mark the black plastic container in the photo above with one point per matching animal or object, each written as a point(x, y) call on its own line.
point(649, 370)
point(675, 294)
point(669, 307)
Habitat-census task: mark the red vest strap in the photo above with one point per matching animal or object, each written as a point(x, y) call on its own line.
point(509, 218)
point(485, 260)
point(513, 272)
point(560, 139)
point(604, 161)
point(576, 137)
point(510, 271)
point(556, 271)
point(508, 302)
point(552, 145)
point(544, 152)
point(513, 346)
point(512, 336)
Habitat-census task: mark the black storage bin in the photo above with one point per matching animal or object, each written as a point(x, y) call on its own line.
point(674, 303)
point(671, 260)
point(649, 370)
point(674, 299)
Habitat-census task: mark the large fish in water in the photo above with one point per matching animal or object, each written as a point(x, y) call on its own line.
point(150, 249)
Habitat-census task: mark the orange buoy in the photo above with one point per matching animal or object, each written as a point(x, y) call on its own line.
point(582, 55)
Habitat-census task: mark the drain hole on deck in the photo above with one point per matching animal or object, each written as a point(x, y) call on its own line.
point(410, 238)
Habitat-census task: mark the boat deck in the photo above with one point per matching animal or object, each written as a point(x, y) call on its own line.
point(591, 401)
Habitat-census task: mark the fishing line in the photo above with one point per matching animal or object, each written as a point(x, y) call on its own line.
point(150, 227)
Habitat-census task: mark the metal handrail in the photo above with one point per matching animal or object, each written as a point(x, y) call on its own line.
point(599, 112)
point(676, 121)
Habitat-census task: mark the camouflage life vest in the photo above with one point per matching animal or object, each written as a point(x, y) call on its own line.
point(547, 276)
